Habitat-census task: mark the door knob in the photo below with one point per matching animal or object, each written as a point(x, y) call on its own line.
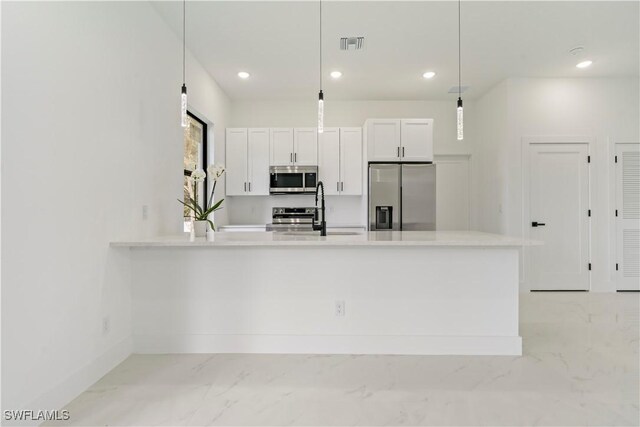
point(538, 224)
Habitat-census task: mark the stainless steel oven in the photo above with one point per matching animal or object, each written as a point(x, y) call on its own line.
point(293, 179)
point(292, 219)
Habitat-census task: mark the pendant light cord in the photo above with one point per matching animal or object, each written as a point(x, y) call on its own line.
point(320, 45)
point(459, 56)
point(184, 40)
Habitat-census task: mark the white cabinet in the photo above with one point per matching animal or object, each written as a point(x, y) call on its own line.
point(305, 146)
point(384, 139)
point(281, 146)
point(258, 162)
point(340, 161)
point(329, 160)
point(247, 162)
point(297, 146)
point(236, 162)
point(351, 161)
point(416, 140)
point(396, 140)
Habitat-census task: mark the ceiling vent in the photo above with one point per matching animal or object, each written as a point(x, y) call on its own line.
point(454, 89)
point(351, 43)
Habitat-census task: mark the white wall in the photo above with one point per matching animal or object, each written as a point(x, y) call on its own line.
point(606, 110)
point(490, 166)
point(342, 210)
point(90, 107)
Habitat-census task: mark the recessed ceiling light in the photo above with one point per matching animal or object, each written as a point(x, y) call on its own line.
point(243, 75)
point(429, 75)
point(584, 64)
point(336, 74)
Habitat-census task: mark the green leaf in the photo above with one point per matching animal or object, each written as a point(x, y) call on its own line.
point(194, 205)
point(213, 208)
point(188, 206)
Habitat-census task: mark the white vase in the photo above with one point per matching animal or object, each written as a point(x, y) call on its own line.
point(200, 228)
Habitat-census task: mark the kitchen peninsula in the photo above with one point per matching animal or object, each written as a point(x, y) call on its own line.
point(431, 292)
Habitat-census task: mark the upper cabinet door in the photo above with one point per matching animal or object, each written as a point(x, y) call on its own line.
point(351, 161)
point(383, 137)
point(417, 140)
point(258, 172)
point(305, 143)
point(281, 146)
point(329, 160)
point(236, 162)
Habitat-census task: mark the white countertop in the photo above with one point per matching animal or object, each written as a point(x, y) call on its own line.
point(372, 238)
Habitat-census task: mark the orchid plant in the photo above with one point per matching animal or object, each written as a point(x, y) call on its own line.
point(202, 212)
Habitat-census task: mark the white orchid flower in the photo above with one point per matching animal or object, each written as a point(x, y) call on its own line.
point(215, 171)
point(198, 175)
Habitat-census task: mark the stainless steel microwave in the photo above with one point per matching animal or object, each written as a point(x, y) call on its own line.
point(293, 179)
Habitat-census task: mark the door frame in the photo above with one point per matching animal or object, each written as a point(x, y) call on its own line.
point(613, 231)
point(527, 142)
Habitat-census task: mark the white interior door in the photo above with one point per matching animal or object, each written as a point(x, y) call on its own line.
point(559, 205)
point(452, 192)
point(351, 161)
point(258, 173)
point(281, 146)
point(329, 160)
point(628, 216)
point(236, 162)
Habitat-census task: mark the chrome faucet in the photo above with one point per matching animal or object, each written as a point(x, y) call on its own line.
point(322, 227)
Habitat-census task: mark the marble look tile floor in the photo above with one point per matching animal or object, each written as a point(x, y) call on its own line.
point(580, 368)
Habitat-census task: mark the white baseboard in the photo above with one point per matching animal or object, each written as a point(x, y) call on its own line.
point(64, 392)
point(329, 344)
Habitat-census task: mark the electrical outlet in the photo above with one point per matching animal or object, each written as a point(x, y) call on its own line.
point(106, 325)
point(340, 308)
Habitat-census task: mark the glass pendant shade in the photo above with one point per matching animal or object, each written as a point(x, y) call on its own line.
point(320, 112)
point(460, 121)
point(183, 107)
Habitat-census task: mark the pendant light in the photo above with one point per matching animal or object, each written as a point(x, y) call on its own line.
point(183, 94)
point(460, 124)
point(320, 95)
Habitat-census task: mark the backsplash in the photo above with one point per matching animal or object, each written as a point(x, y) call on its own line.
point(256, 210)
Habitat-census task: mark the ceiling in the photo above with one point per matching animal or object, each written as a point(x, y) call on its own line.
point(277, 42)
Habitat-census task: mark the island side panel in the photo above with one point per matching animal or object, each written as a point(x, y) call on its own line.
point(397, 300)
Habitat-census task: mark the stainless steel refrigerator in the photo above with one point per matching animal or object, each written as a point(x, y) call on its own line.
point(402, 196)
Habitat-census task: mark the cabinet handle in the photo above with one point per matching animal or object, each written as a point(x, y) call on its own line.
point(337, 186)
point(249, 187)
point(245, 186)
point(402, 151)
point(398, 155)
point(295, 158)
point(342, 186)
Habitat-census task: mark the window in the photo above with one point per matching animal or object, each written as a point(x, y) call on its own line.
point(195, 156)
